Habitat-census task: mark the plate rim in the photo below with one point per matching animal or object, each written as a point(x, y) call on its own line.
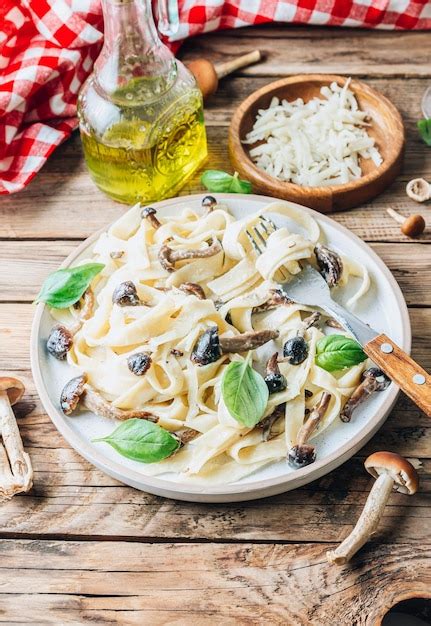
point(217, 493)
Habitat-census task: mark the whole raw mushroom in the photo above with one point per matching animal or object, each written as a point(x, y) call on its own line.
point(16, 472)
point(393, 472)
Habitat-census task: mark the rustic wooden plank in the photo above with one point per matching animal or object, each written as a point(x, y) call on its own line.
point(131, 583)
point(62, 198)
point(25, 264)
point(368, 53)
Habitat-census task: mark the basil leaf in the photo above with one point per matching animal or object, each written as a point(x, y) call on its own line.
point(65, 287)
point(217, 180)
point(424, 127)
point(336, 352)
point(142, 441)
point(244, 393)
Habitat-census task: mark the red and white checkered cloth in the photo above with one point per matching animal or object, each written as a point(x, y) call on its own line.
point(47, 49)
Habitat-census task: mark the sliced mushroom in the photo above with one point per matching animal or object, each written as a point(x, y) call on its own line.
point(276, 298)
point(168, 257)
point(78, 391)
point(333, 323)
point(16, 472)
point(275, 381)
point(373, 380)
point(303, 454)
point(139, 363)
point(210, 347)
point(311, 320)
point(194, 289)
point(393, 472)
point(330, 264)
point(268, 422)
point(125, 294)
point(186, 435)
point(60, 338)
point(150, 214)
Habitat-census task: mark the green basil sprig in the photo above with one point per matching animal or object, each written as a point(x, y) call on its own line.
point(244, 392)
point(65, 287)
point(217, 180)
point(336, 352)
point(142, 441)
point(424, 127)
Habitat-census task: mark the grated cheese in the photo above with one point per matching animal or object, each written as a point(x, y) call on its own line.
point(318, 143)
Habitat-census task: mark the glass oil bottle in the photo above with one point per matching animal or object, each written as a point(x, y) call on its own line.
point(140, 112)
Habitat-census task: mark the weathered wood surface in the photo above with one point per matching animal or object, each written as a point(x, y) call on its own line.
point(127, 583)
point(83, 548)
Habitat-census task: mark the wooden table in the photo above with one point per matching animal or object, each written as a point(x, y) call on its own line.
point(83, 548)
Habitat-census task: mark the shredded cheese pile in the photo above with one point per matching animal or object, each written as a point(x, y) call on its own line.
point(318, 143)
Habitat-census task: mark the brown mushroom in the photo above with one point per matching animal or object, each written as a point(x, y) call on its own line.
point(275, 381)
point(373, 379)
point(193, 289)
point(209, 202)
point(276, 298)
point(125, 294)
point(302, 454)
point(150, 214)
point(168, 257)
point(139, 363)
point(60, 338)
point(210, 347)
point(392, 471)
point(186, 435)
point(78, 391)
point(268, 422)
point(330, 264)
point(418, 190)
point(411, 226)
point(16, 472)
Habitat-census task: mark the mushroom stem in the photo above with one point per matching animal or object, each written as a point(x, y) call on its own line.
point(247, 341)
point(168, 257)
point(313, 419)
point(396, 216)
point(367, 523)
point(94, 402)
point(19, 460)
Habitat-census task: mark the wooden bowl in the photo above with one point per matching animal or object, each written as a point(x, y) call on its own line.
point(387, 129)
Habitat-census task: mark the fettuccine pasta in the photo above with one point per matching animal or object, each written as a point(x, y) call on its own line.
point(235, 291)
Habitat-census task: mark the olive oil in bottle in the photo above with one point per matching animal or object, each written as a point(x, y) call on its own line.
point(140, 112)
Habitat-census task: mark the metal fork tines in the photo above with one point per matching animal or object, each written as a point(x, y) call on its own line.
point(262, 231)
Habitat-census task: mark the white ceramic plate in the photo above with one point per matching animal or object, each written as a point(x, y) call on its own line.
point(383, 308)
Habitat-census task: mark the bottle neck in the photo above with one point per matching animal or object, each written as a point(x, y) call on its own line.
point(132, 48)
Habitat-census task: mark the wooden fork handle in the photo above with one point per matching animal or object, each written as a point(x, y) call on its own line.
point(402, 369)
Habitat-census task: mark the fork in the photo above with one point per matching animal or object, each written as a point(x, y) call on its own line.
point(308, 287)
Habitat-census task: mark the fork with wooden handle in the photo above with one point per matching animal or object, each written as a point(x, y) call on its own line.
point(309, 288)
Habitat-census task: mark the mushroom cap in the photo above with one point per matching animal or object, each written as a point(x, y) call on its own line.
point(13, 387)
point(71, 394)
point(406, 479)
point(413, 225)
